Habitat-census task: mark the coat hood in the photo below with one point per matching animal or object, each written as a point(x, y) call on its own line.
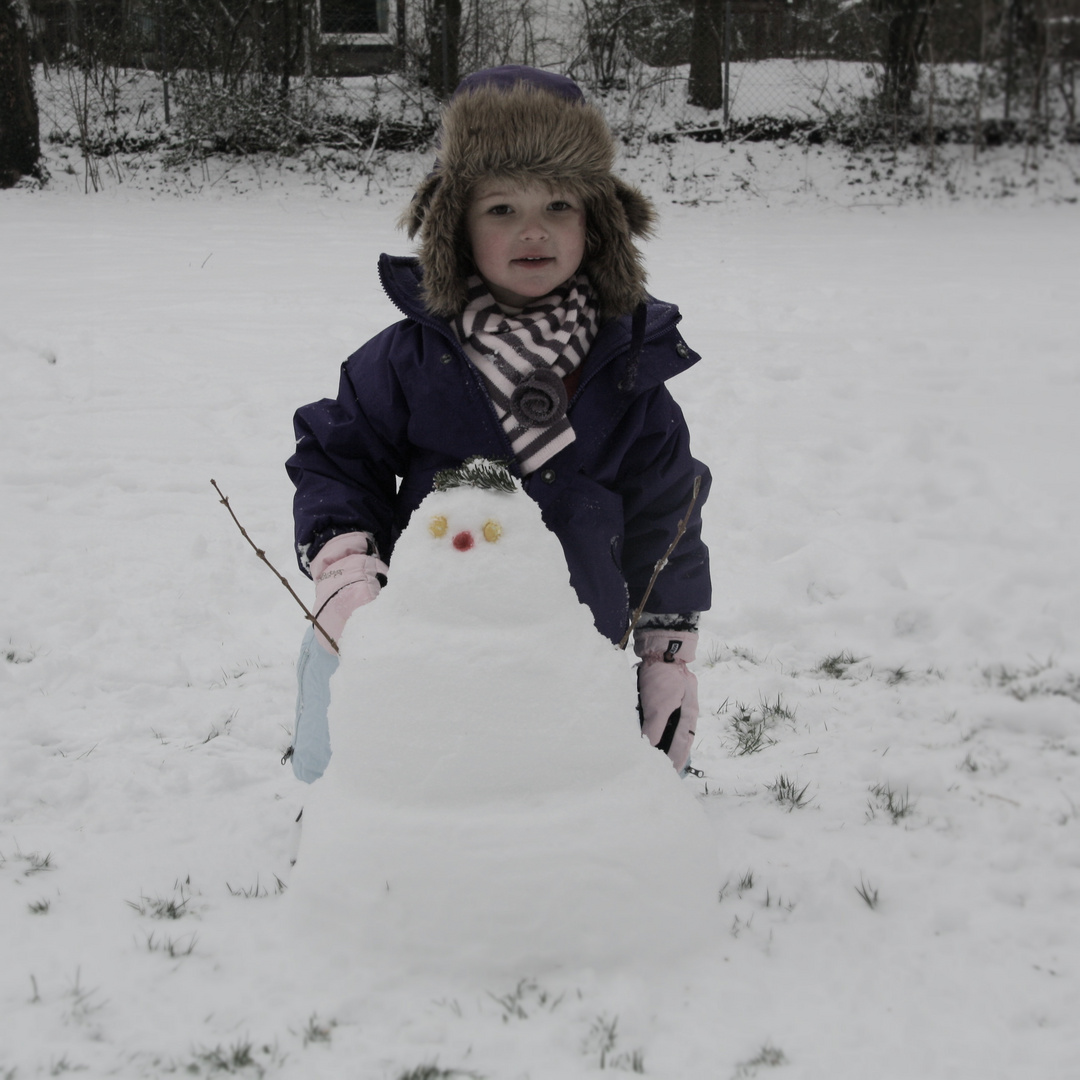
point(527, 126)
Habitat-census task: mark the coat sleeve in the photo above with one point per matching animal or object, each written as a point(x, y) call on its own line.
point(656, 480)
point(349, 452)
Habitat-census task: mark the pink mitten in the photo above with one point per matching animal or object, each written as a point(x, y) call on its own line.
point(667, 691)
point(346, 576)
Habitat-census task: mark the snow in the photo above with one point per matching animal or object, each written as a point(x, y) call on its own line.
point(539, 831)
point(887, 403)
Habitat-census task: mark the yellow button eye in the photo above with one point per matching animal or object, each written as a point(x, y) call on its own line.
point(492, 531)
point(437, 526)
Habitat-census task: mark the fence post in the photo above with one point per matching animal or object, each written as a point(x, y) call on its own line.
point(445, 53)
point(163, 63)
point(727, 62)
point(1010, 15)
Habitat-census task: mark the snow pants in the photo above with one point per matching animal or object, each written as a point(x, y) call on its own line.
point(311, 736)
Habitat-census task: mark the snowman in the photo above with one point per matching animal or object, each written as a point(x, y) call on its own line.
point(490, 804)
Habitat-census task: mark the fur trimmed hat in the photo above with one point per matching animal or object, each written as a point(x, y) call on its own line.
point(524, 125)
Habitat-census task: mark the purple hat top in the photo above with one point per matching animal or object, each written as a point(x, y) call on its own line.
point(510, 75)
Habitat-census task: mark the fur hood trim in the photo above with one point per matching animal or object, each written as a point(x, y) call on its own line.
point(528, 134)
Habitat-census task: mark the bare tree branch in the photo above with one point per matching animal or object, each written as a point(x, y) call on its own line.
point(662, 562)
point(281, 577)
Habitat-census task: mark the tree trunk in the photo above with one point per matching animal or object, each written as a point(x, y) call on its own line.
point(907, 22)
point(20, 143)
point(707, 55)
point(444, 34)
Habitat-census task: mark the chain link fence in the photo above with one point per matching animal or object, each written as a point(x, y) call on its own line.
point(190, 78)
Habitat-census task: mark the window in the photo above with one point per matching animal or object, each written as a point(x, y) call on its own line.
point(354, 16)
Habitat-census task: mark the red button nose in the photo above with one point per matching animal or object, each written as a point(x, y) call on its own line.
point(463, 541)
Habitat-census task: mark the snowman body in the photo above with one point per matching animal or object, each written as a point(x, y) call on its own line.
point(490, 804)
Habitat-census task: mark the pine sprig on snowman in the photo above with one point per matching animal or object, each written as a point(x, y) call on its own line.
point(477, 472)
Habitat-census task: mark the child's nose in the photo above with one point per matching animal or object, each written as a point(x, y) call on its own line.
point(533, 229)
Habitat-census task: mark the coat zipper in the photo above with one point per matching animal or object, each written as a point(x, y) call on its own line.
point(441, 327)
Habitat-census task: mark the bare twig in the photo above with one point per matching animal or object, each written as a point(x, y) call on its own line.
point(281, 577)
point(662, 562)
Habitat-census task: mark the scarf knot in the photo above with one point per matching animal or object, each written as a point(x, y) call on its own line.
point(540, 400)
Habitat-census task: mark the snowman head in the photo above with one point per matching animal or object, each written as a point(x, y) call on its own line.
point(477, 549)
point(461, 520)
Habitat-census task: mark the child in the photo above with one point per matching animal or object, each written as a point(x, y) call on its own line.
point(528, 337)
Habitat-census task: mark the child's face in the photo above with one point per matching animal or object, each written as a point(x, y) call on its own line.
point(526, 241)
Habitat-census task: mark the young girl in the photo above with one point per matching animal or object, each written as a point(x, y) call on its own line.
point(529, 338)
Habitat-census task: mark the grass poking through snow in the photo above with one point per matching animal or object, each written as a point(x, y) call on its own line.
point(837, 665)
point(316, 1031)
point(171, 947)
point(253, 892)
point(897, 806)
point(788, 793)
point(769, 1057)
point(433, 1072)
point(868, 893)
point(750, 726)
point(165, 907)
point(528, 996)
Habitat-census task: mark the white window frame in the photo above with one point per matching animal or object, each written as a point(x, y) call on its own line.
point(358, 39)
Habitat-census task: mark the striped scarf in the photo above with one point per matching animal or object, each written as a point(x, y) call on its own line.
point(524, 356)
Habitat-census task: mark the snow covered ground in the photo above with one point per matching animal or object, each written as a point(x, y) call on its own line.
point(891, 672)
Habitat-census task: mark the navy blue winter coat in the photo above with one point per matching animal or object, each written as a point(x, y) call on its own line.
point(410, 404)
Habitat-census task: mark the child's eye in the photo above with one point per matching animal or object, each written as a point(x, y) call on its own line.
point(500, 210)
point(560, 204)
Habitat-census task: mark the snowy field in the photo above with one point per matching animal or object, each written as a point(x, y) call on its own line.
point(890, 675)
